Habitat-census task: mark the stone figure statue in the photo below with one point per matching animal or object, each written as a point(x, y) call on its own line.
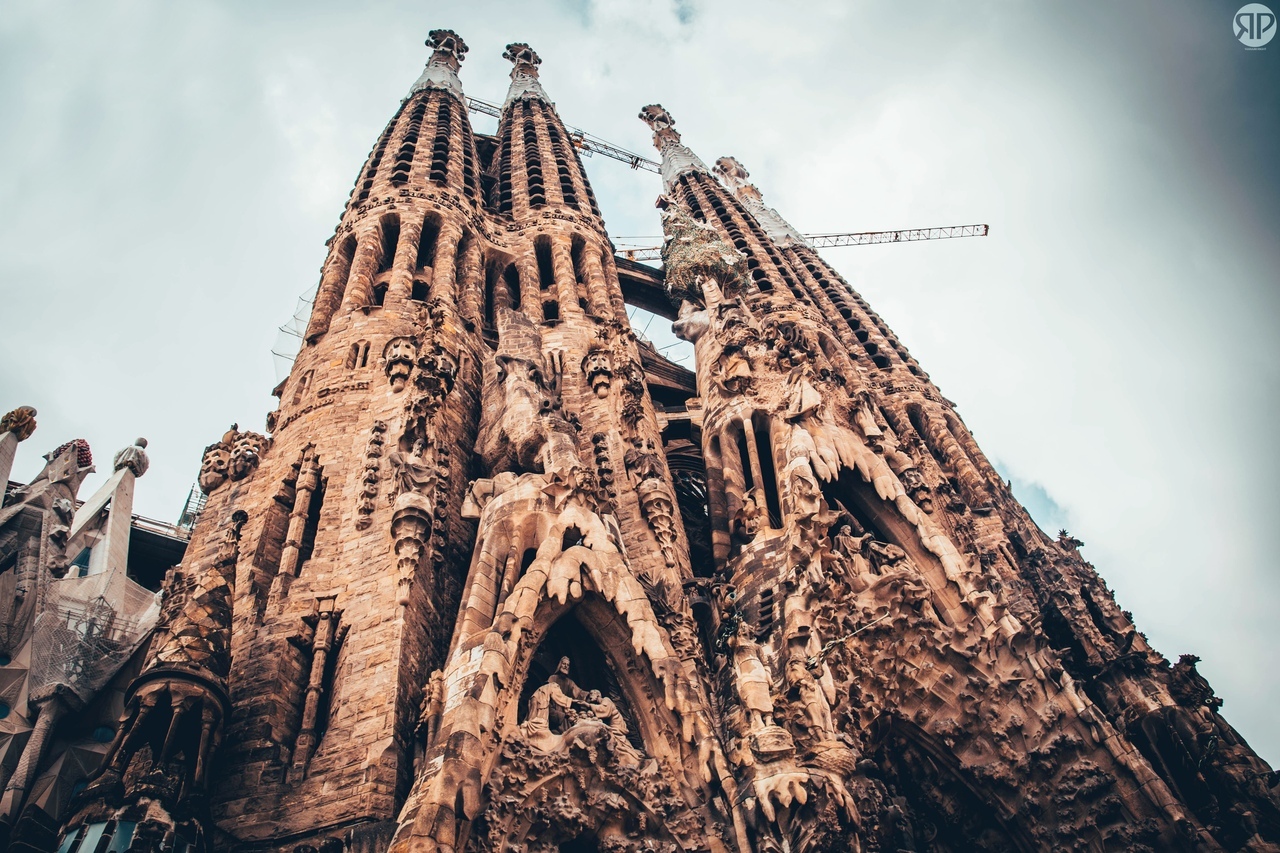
point(752, 679)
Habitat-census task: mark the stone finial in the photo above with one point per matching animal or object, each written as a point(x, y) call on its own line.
point(21, 422)
point(733, 174)
point(735, 178)
point(676, 156)
point(524, 76)
point(659, 121)
point(521, 54)
point(448, 51)
point(133, 457)
point(84, 456)
point(448, 46)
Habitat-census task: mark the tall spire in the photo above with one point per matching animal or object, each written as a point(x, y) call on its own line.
point(734, 176)
point(442, 68)
point(676, 156)
point(524, 76)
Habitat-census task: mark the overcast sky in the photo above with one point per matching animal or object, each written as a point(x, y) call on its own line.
point(169, 173)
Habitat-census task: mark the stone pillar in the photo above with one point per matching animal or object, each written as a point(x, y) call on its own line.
point(530, 286)
point(405, 265)
point(333, 283)
point(308, 482)
point(566, 279)
point(364, 267)
point(444, 276)
point(326, 619)
point(597, 287)
point(471, 279)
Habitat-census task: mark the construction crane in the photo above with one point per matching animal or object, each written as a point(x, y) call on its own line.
point(588, 145)
point(583, 141)
point(853, 238)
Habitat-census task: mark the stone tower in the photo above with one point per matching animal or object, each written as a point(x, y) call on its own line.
point(499, 577)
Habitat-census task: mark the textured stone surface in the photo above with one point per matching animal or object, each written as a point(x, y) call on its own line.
point(473, 590)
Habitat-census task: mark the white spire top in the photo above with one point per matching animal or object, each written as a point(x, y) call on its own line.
point(676, 156)
point(524, 76)
point(734, 176)
point(442, 68)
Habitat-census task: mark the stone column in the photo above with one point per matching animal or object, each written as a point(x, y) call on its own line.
point(530, 286)
point(566, 279)
point(364, 266)
point(597, 287)
point(444, 276)
point(405, 265)
point(333, 283)
point(471, 278)
point(308, 482)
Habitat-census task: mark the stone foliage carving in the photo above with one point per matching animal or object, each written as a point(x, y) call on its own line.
point(20, 421)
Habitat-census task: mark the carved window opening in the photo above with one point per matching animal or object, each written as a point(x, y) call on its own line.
point(304, 382)
point(576, 250)
point(920, 421)
point(390, 234)
point(379, 150)
point(532, 160)
point(419, 291)
point(308, 544)
point(358, 355)
point(460, 265)
point(766, 481)
point(469, 162)
point(341, 266)
point(427, 242)
point(690, 199)
point(504, 166)
point(766, 612)
point(551, 312)
point(440, 150)
point(511, 280)
point(408, 146)
point(768, 477)
point(378, 297)
point(562, 162)
point(546, 272)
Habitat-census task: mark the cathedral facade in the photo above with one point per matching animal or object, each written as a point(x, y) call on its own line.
point(496, 576)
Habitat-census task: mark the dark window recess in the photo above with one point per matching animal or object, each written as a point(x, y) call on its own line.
point(546, 272)
point(550, 311)
point(379, 296)
point(427, 243)
point(419, 291)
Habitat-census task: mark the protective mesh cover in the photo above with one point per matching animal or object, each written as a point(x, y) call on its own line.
point(86, 629)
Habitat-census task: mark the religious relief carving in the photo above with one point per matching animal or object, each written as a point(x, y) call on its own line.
point(561, 705)
point(370, 481)
point(20, 421)
point(597, 366)
point(229, 551)
point(656, 500)
point(398, 359)
point(437, 371)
